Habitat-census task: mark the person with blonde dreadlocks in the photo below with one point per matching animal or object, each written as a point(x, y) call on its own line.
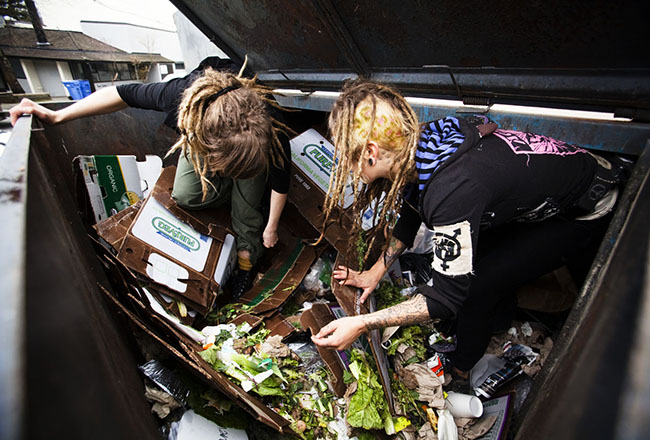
point(230, 139)
point(534, 201)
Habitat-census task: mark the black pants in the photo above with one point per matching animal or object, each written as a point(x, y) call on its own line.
point(510, 256)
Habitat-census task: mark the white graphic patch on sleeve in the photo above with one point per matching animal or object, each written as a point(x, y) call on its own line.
point(452, 249)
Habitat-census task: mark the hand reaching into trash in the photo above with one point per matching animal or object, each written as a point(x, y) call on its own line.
point(340, 333)
point(369, 279)
point(366, 280)
point(270, 234)
point(269, 237)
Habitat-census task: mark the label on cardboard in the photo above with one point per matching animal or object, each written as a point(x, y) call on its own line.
point(119, 182)
point(165, 271)
point(158, 227)
point(227, 260)
point(314, 156)
point(114, 182)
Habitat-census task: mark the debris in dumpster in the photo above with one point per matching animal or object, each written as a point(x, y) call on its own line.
point(499, 408)
point(166, 380)
point(192, 426)
point(447, 429)
point(163, 403)
point(515, 357)
point(113, 183)
point(463, 405)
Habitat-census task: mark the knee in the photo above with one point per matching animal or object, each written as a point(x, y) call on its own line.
point(188, 199)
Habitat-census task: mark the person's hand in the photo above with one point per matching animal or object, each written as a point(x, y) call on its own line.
point(269, 237)
point(29, 107)
point(340, 333)
point(366, 280)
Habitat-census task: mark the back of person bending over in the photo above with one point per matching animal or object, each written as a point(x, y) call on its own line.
point(230, 142)
point(534, 201)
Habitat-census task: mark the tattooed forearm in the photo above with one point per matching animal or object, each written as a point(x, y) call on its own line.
point(393, 251)
point(412, 311)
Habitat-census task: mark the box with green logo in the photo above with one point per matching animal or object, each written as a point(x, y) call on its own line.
point(187, 255)
point(116, 182)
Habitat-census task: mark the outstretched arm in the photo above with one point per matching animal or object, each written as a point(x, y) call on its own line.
point(270, 234)
point(105, 100)
point(369, 279)
point(341, 333)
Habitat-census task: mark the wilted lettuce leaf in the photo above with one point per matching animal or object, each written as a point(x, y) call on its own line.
point(362, 412)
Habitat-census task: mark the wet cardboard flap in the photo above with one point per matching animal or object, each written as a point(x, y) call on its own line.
point(348, 298)
point(180, 260)
point(314, 319)
point(188, 355)
point(114, 229)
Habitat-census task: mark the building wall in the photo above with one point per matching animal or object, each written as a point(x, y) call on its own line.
point(133, 38)
point(33, 81)
point(50, 78)
point(194, 44)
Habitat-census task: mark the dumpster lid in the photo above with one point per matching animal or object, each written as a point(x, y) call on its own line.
point(556, 53)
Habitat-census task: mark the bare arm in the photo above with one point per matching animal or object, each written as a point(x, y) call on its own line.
point(105, 100)
point(341, 333)
point(369, 279)
point(270, 235)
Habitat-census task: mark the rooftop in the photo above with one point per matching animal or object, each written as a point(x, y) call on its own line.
point(67, 45)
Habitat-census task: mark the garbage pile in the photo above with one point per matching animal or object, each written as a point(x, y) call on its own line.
point(255, 354)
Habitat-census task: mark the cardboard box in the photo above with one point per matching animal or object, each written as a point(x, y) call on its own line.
point(114, 183)
point(312, 157)
point(183, 261)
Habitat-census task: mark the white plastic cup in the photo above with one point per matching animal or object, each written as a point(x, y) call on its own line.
point(464, 405)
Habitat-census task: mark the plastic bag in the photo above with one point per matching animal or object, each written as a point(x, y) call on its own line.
point(447, 429)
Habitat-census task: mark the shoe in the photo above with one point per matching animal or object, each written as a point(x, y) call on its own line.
point(241, 283)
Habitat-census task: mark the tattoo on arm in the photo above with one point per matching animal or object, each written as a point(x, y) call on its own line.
point(412, 311)
point(393, 251)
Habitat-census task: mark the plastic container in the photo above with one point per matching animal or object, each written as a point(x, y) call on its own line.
point(85, 87)
point(74, 89)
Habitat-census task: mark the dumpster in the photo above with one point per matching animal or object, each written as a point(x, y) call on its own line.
point(68, 361)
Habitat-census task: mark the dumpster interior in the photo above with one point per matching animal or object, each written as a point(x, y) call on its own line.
point(107, 353)
point(91, 325)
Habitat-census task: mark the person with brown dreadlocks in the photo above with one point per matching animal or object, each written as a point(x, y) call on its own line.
point(230, 139)
point(533, 200)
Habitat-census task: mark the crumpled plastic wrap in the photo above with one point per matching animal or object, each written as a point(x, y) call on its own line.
point(166, 380)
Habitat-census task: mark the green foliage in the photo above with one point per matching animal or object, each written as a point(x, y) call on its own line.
point(326, 275)
point(413, 337)
point(368, 408)
point(14, 10)
point(388, 295)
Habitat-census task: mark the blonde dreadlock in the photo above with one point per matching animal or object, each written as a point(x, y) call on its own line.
point(231, 133)
point(370, 112)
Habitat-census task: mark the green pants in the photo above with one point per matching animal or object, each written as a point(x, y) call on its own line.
point(245, 196)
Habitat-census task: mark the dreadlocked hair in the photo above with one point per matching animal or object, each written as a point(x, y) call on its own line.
point(366, 112)
point(233, 133)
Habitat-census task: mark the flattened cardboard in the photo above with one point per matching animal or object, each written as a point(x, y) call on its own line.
point(348, 297)
point(180, 260)
point(314, 319)
point(114, 228)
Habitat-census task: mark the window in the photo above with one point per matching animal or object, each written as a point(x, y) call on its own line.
point(77, 70)
point(17, 67)
point(108, 72)
point(179, 66)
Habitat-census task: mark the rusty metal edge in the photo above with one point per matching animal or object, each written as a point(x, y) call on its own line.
point(13, 205)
